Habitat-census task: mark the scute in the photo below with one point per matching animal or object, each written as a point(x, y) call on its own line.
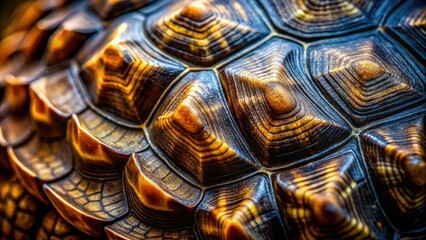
point(407, 23)
point(319, 18)
point(213, 119)
point(196, 132)
point(204, 32)
point(396, 156)
point(327, 199)
point(244, 210)
point(271, 99)
point(124, 75)
point(365, 93)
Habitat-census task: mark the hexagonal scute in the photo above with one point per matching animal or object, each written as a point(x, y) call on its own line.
point(396, 156)
point(282, 118)
point(243, 210)
point(123, 75)
point(316, 18)
point(108, 9)
point(70, 36)
point(196, 132)
point(204, 32)
point(54, 98)
point(367, 76)
point(330, 199)
point(407, 24)
point(158, 196)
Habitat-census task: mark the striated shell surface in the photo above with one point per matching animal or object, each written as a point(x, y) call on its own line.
point(213, 119)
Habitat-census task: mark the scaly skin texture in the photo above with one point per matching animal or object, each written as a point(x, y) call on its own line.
point(213, 119)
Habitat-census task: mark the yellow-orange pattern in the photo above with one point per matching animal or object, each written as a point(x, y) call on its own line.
point(37, 162)
point(366, 76)
point(54, 98)
point(193, 124)
point(243, 210)
point(327, 199)
point(396, 157)
point(319, 18)
point(281, 117)
point(124, 75)
point(204, 32)
point(155, 191)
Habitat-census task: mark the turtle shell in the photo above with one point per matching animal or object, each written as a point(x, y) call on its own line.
point(213, 119)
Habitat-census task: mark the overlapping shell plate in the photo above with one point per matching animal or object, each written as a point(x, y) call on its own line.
point(213, 119)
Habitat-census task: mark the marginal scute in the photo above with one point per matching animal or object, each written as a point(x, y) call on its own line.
point(54, 98)
point(315, 19)
point(132, 228)
point(158, 196)
point(368, 77)
point(243, 210)
point(71, 35)
point(37, 162)
point(396, 156)
point(17, 84)
point(124, 75)
point(88, 204)
point(9, 47)
point(36, 39)
point(28, 13)
point(328, 200)
point(205, 32)
point(196, 132)
point(407, 23)
point(108, 9)
point(92, 196)
point(282, 118)
point(101, 147)
point(14, 130)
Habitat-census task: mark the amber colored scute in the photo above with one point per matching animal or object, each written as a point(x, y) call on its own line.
point(213, 119)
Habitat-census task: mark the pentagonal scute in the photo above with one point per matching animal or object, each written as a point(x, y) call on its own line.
point(314, 19)
point(396, 157)
point(243, 210)
point(195, 130)
point(281, 116)
point(407, 24)
point(329, 199)
point(367, 76)
point(204, 32)
point(124, 75)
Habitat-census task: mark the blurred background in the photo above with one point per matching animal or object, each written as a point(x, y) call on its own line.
point(6, 9)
